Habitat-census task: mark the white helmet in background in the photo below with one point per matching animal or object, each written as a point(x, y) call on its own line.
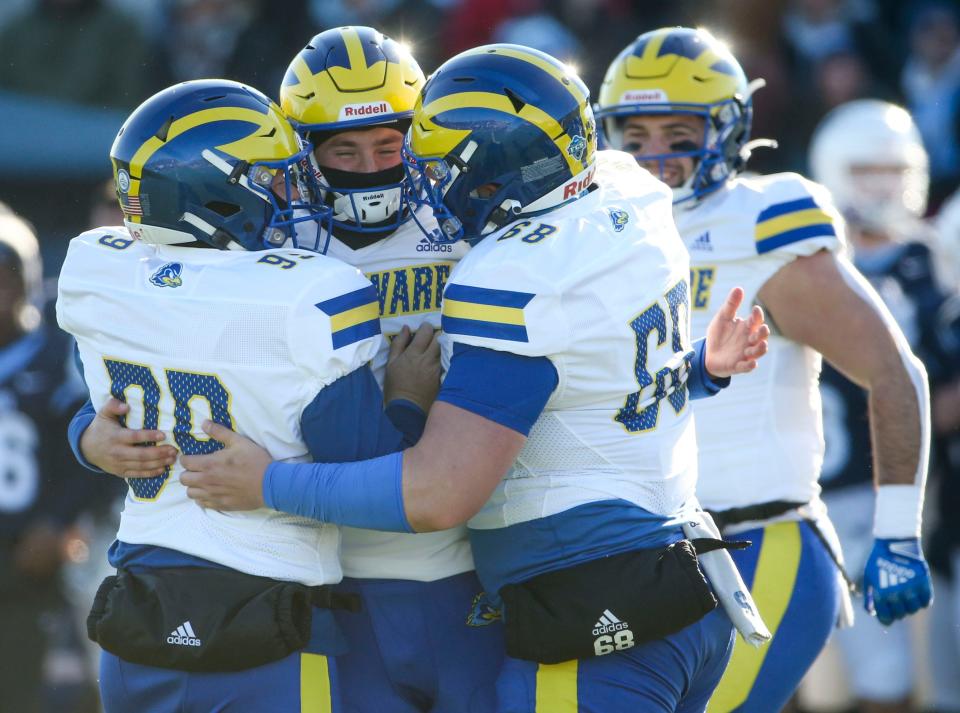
point(870, 156)
point(20, 250)
point(947, 245)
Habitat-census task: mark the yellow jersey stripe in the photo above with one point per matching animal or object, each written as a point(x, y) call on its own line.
point(355, 316)
point(315, 684)
point(773, 584)
point(790, 221)
point(557, 688)
point(483, 313)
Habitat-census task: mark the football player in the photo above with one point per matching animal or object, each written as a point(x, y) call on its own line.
point(869, 154)
point(678, 100)
point(415, 645)
point(39, 497)
point(187, 313)
point(563, 427)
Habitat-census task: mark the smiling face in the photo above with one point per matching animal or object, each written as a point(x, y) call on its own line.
point(361, 151)
point(657, 134)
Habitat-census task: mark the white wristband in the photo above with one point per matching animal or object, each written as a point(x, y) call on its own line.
point(898, 511)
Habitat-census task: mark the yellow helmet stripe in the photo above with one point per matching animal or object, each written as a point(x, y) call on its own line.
point(351, 40)
point(206, 116)
point(549, 68)
point(301, 70)
point(498, 102)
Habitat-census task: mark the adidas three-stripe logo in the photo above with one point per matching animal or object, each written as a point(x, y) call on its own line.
point(892, 574)
point(702, 243)
point(608, 622)
point(183, 635)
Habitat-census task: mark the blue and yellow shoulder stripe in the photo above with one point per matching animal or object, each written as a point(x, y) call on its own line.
point(353, 316)
point(790, 221)
point(485, 312)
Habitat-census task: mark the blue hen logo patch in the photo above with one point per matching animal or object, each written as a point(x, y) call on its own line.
point(619, 218)
point(168, 275)
point(483, 612)
point(577, 147)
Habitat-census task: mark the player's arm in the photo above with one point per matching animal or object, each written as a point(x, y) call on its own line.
point(486, 407)
point(347, 420)
point(822, 301)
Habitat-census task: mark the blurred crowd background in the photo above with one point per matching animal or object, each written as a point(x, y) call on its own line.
point(71, 70)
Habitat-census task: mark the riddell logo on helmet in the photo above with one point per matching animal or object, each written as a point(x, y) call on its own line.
point(356, 111)
point(575, 186)
point(644, 96)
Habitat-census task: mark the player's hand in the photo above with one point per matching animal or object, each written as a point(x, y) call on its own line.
point(734, 345)
point(896, 581)
point(413, 367)
point(121, 451)
point(230, 478)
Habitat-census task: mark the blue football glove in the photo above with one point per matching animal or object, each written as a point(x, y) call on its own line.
point(896, 580)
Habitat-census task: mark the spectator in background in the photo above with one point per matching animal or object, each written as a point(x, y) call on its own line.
point(39, 493)
point(80, 51)
point(248, 41)
point(931, 84)
point(531, 25)
point(816, 29)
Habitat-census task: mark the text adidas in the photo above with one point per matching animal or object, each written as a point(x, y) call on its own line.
point(426, 246)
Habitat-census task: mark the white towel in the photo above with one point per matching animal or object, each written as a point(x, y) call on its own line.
point(726, 582)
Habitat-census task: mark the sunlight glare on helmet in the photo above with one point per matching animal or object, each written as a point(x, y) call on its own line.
point(897, 119)
point(406, 46)
point(725, 44)
point(572, 68)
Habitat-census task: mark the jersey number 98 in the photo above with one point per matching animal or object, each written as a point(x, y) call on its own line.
point(184, 386)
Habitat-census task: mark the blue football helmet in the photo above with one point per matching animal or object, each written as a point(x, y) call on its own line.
point(217, 162)
point(498, 132)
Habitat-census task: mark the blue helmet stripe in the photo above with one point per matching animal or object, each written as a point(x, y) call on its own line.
point(683, 42)
point(640, 46)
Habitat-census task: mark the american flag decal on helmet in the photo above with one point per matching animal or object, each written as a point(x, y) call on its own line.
point(130, 205)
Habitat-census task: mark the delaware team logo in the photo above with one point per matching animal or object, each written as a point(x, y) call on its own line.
point(168, 275)
point(577, 146)
point(483, 612)
point(619, 219)
point(123, 181)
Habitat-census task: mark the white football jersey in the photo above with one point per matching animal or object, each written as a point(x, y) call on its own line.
point(245, 338)
point(409, 272)
point(598, 286)
point(761, 439)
